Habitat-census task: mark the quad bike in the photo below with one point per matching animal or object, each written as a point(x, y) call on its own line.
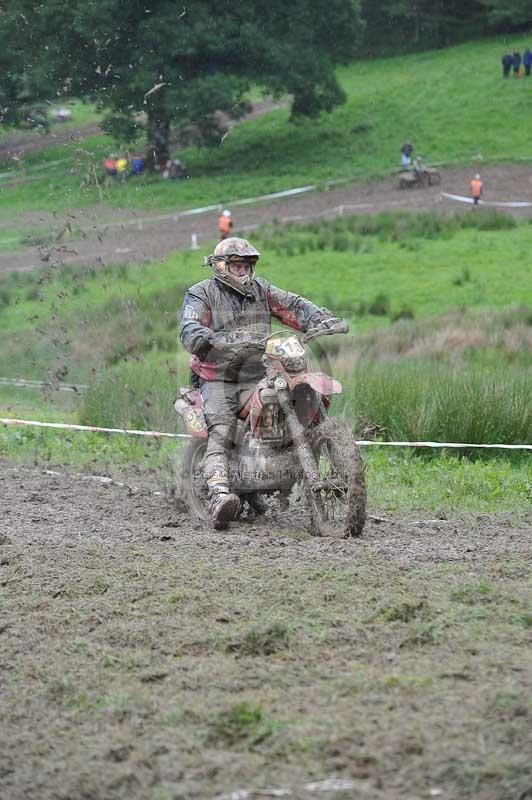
point(426, 176)
point(284, 438)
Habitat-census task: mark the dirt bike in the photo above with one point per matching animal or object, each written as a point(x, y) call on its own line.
point(283, 438)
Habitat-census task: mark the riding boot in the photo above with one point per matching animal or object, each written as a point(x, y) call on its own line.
point(224, 506)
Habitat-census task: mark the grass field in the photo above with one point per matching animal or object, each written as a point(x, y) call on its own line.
point(421, 94)
point(416, 368)
point(115, 328)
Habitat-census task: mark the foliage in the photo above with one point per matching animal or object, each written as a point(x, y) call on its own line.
point(406, 25)
point(508, 14)
point(134, 394)
point(185, 67)
point(394, 25)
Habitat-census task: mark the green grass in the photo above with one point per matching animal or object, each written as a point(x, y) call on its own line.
point(417, 400)
point(416, 96)
point(419, 262)
point(456, 370)
point(398, 480)
point(115, 328)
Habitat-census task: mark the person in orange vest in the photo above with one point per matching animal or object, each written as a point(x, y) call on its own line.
point(225, 224)
point(476, 189)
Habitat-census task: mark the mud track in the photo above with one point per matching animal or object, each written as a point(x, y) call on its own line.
point(134, 236)
point(124, 638)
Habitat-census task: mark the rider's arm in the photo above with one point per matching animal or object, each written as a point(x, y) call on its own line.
point(195, 334)
point(293, 310)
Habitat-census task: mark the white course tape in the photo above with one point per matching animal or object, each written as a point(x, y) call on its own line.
point(175, 215)
point(362, 442)
point(92, 428)
point(500, 204)
point(447, 444)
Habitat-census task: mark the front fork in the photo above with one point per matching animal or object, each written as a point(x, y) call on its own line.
point(302, 446)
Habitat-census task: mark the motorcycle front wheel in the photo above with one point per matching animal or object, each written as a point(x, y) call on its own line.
point(338, 500)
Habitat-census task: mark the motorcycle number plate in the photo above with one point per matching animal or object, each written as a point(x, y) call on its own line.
point(288, 346)
point(195, 420)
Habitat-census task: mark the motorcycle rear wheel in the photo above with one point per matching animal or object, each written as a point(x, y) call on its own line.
point(193, 483)
point(338, 507)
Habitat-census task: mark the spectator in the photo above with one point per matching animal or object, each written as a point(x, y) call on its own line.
point(507, 62)
point(517, 63)
point(137, 164)
point(110, 166)
point(174, 169)
point(476, 189)
point(121, 168)
point(419, 166)
point(527, 61)
point(225, 224)
point(406, 153)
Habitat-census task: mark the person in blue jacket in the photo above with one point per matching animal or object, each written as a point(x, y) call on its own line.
point(527, 61)
point(507, 62)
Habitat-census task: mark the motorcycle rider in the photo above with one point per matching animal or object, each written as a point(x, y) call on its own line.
point(234, 307)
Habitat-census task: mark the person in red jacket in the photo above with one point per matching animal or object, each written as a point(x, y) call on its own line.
point(476, 189)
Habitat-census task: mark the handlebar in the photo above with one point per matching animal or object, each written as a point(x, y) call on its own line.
point(313, 333)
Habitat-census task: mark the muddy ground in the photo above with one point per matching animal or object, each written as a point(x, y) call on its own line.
point(124, 235)
point(145, 657)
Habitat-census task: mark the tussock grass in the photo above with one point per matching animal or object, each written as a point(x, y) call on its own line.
point(350, 232)
point(243, 725)
point(482, 338)
point(403, 609)
point(259, 641)
point(415, 401)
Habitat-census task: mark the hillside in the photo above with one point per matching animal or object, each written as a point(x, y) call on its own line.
point(439, 99)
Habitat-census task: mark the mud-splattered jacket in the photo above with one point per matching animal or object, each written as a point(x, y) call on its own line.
point(211, 306)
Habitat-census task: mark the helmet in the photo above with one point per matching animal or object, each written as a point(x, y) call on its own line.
point(226, 213)
point(219, 260)
point(477, 177)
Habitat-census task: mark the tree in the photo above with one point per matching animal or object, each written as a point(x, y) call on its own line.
point(508, 15)
point(159, 64)
point(398, 25)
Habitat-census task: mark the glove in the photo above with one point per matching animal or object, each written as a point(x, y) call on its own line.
point(232, 341)
point(222, 340)
point(330, 322)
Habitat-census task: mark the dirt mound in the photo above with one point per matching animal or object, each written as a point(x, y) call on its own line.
point(143, 656)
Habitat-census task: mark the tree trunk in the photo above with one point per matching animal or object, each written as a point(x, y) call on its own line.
point(158, 134)
point(417, 23)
